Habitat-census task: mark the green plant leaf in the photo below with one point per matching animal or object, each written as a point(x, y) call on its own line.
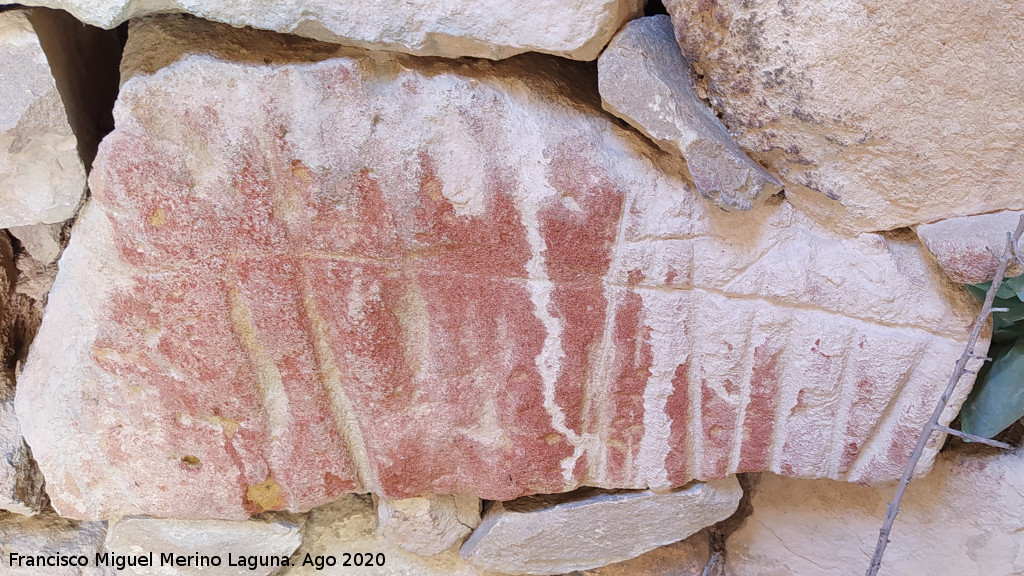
point(997, 400)
point(1016, 284)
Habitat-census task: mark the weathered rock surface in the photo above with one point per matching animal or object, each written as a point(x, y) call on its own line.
point(875, 115)
point(50, 535)
point(962, 245)
point(428, 525)
point(21, 484)
point(348, 525)
point(544, 535)
point(645, 80)
point(42, 179)
point(416, 277)
point(966, 517)
point(41, 241)
point(495, 29)
point(258, 546)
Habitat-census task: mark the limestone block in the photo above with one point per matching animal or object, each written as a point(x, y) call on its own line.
point(541, 535)
point(966, 517)
point(53, 536)
point(41, 241)
point(42, 178)
point(495, 29)
point(377, 273)
point(256, 547)
point(645, 80)
point(347, 525)
point(428, 525)
point(876, 115)
point(964, 246)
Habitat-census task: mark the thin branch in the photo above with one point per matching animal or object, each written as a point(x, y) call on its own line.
point(973, 438)
point(958, 372)
point(715, 563)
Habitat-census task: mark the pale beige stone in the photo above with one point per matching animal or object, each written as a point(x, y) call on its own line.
point(495, 29)
point(428, 525)
point(41, 241)
point(966, 517)
point(50, 535)
point(876, 115)
point(42, 178)
point(256, 547)
point(968, 247)
point(644, 80)
point(552, 535)
point(347, 525)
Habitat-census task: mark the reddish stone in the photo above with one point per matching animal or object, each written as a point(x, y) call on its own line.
point(383, 274)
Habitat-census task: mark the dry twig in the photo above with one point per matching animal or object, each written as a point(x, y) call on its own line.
point(714, 565)
point(1009, 253)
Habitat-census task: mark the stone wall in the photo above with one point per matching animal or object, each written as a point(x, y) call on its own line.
point(489, 288)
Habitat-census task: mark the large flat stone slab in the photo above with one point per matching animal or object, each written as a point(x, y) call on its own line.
point(544, 535)
point(42, 178)
point(348, 525)
point(645, 80)
point(495, 29)
point(256, 547)
point(381, 274)
point(875, 115)
point(966, 517)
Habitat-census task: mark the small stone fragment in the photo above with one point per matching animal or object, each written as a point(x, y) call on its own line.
point(967, 247)
point(41, 241)
point(428, 525)
point(965, 517)
point(256, 547)
point(644, 79)
point(50, 535)
point(576, 29)
point(552, 535)
point(347, 524)
point(42, 178)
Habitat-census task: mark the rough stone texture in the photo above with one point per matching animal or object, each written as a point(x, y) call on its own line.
point(137, 536)
point(49, 534)
point(41, 241)
point(21, 484)
point(428, 525)
point(42, 179)
point(645, 80)
point(961, 245)
point(876, 115)
point(495, 29)
point(347, 525)
point(414, 277)
point(966, 517)
point(544, 535)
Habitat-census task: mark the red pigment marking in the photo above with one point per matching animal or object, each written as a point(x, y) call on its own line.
point(678, 408)
point(864, 413)
point(486, 431)
point(759, 421)
point(632, 369)
point(718, 419)
point(807, 446)
point(670, 277)
point(578, 253)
